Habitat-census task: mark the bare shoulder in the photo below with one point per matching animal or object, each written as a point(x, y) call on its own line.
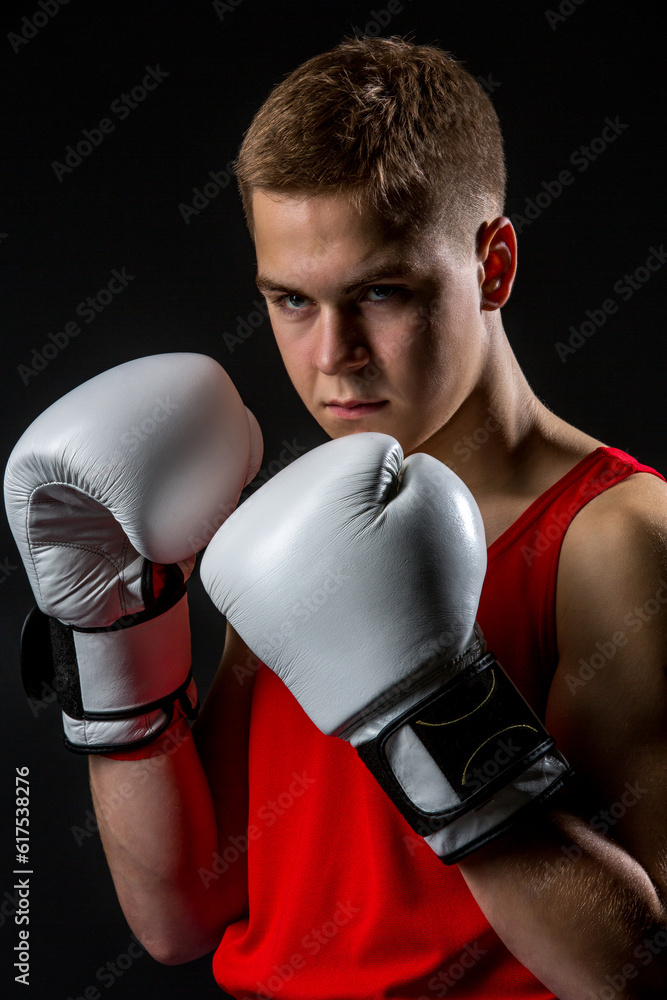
point(635, 494)
point(640, 500)
point(611, 615)
point(607, 706)
point(614, 554)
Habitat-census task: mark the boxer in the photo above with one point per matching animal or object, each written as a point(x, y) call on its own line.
point(314, 828)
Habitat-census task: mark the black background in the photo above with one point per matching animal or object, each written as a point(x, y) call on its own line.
point(554, 84)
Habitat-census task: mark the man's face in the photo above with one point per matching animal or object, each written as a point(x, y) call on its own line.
point(378, 331)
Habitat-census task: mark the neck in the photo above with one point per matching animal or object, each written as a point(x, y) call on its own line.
point(491, 437)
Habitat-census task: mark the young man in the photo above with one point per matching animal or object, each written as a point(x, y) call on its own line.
point(373, 184)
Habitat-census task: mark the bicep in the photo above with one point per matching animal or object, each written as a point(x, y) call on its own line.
point(617, 743)
point(607, 705)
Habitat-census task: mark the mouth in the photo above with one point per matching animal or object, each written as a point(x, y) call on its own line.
point(353, 409)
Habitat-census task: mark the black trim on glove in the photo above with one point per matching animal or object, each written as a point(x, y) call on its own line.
point(480, 732)
point(48, 654)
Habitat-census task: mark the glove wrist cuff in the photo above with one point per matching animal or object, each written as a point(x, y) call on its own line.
point(463, 759)
point(163, 745)
point(133, 737)
point(116, 685)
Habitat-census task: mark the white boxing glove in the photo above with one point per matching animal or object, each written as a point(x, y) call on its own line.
point(356, 576)
point(110, 493)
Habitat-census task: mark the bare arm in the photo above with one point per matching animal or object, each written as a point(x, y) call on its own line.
point(578, 894)
point(575, 908)
point(157, 820)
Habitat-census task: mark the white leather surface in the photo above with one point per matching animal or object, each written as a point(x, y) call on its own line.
point(163, 443)
point(126, 668)
point(118, 732)
point(145, 460)
point(347, 569)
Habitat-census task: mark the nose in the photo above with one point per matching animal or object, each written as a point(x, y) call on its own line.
point(341, 345)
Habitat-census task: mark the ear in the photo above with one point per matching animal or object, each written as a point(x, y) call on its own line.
point(496, 253)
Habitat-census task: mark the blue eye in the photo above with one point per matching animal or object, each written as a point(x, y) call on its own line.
point(386, 292)
point(292, 302)
point(289, 299)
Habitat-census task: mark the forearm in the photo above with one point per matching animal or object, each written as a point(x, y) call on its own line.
point(574, 908)
point(158, 828)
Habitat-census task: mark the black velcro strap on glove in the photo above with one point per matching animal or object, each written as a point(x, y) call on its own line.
point(480, 732)
point(49, 660)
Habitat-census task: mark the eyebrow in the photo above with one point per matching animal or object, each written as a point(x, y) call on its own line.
point(390, 269)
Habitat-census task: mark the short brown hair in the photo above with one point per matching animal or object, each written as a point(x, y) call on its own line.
point(400, 127)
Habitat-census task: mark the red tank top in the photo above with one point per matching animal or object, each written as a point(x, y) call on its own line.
point(346, 902)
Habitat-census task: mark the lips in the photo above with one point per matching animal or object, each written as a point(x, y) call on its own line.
point(351, 409)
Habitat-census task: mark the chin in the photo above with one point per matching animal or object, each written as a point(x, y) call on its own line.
point(378, 425)
point(339, 432)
